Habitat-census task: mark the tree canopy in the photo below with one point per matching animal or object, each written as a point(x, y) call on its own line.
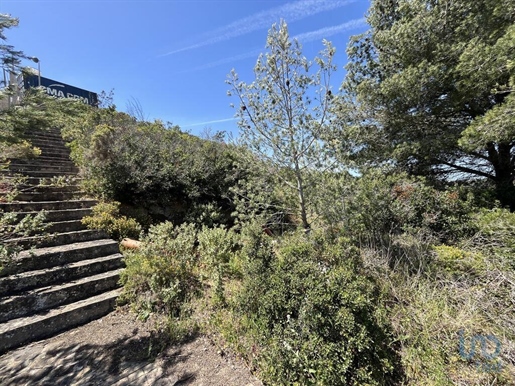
point(285, 111)
point(429, 89)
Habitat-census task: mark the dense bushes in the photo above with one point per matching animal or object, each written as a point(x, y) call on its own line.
point(162, 275)
point(316, 314)
point(170, 174)
point(305, 301)
point(380, 297)
point(392, 204)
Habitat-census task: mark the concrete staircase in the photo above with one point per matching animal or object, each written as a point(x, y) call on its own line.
point(63, 279)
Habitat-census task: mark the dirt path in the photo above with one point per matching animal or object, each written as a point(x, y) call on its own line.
point(115, 350)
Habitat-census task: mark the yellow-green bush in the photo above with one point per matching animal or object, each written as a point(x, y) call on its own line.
point(106, 216)
point(456, 261)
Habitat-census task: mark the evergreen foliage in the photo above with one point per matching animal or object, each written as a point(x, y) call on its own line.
point(284, 114)
point(429, 86)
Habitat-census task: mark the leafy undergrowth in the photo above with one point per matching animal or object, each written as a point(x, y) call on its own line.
point(421, 306)
point(300, 309)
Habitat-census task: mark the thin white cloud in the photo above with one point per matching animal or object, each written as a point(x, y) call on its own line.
point(326, 32)
point(291, 12)
point(305, 37)
point(209, 122)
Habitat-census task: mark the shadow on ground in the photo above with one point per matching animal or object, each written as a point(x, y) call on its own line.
point(130, 360)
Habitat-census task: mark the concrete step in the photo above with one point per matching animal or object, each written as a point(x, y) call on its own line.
point(46, 135)
point(16, 283)
point(49, 131)
point(26, 188)
point(59, 215)
point(39, 141)
point(43, 298)
point(42, 160)
point(51, 149)
point(67, 167)
point(49, 144)
point(58, 157)
point(39, 173)
point(48, 196)
point(38, 138)
point(21, 331)
point(54, 151)
point(46, 205)
point(51, 228)
point(49, 257)
point(65, 226)
point(51, 240)
point(36, 182)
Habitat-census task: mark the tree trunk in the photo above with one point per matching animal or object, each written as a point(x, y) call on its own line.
point(504, 177)
point(505, 191)
point(302, 200)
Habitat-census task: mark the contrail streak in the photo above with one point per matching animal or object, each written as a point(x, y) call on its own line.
point(209, 122)
point(291, 12)
point(305, 37)
point(330, 31)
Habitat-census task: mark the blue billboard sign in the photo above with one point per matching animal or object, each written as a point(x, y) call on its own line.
point(61, 90)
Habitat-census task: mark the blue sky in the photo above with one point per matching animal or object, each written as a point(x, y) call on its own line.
point(172, 56)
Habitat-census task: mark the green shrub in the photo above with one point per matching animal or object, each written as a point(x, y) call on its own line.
point(381, 206)
point(216, 249)
point(316, 314)
point(12, 227)
point(161, 276)
point(106, 216)
point(173, 175)
point(457, 262)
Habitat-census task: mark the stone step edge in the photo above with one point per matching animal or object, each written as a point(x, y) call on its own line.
point(34, 240)
point(80, 214)
point(40, 299)
point(42, 325)
point(39, 173)
point(55, 256)
point(23, 280)
point(15, 203)
point(42, 252)
point(38, 158)
point(65, 226)
point(34, 196)
point(23, 206)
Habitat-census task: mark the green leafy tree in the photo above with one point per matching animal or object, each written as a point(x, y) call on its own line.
point(284, 113)
point(429, 87)
point(9, 56)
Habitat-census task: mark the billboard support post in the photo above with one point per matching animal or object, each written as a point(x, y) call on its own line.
point(36, 60)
